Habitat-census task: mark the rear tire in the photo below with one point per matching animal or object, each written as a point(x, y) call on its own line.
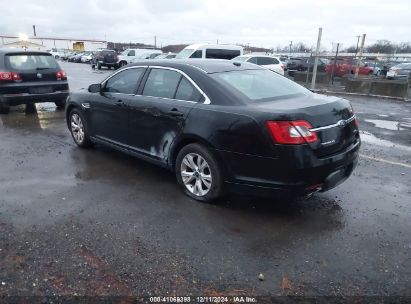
point(4, 108)
point(198, 173)
point(78, 129)
point(98, 66)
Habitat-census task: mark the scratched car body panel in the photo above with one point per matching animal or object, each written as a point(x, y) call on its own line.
point(231, 111)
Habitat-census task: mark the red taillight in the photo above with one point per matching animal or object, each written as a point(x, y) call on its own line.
point(9, 76)
point(291, 132)
point(61, 75)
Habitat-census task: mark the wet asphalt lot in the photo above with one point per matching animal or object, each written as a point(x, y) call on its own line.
point(97, 222)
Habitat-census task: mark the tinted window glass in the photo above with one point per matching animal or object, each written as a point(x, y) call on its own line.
point(124, 82)
point(132, 53)
point(222, 54)
point(197, 54)
point(186, 91)
point(161, 83)
point(30, 62)
point(266, 61)
point(253, 60)
point(184, 53)
point(260, 84)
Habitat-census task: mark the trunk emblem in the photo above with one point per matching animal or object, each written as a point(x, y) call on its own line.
point(39, 75)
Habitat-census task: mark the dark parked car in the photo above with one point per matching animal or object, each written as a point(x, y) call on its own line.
point(28, 77)
point(301, 64)
point(104, 58)
point(220, 126)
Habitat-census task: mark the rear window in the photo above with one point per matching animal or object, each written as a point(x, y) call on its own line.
point(31, 62)
point(260, 84)
point(222, 54)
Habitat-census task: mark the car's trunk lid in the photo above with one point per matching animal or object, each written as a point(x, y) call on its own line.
point(332, 119)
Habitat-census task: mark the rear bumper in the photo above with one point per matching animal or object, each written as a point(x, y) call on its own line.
point(24, 98)
point(266, 176)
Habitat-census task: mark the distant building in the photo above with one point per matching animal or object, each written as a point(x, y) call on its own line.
point(49, 43)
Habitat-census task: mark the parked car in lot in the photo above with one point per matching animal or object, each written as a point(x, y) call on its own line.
point(167, 56)
point(284, 61)
point(376, 67)
point(346, 66)
point(129, 54)
point(147, 55)
point(210, 51)
point(400, 71)
point(294, 64)
point(87, 57)
point(221, 126)
point(57, 53)
point(303, 64)
point(267, 62)
point(28, 77)
point(77, 58)
point(104, 58)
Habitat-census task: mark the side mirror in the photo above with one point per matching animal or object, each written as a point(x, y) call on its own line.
point(95, 88)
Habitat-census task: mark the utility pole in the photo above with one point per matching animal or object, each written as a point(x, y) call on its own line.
point(317, 53)
point(335, 64)
point(217, 41)
point(360, 56)
point(155, 42)
point(291, 44)
point(358, 40)
point(34, 30)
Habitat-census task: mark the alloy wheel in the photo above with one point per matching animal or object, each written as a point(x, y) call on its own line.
point(196, 174)
point(77, 128)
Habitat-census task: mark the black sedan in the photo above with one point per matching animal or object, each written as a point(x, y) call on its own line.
point(221, 126)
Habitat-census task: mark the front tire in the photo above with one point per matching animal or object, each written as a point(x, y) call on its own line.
point(78, 129)
point(198, 173)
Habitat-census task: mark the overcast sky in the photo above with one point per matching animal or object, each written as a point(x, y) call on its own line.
point(261, 23)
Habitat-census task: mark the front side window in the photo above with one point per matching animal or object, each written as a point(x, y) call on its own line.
point(162, 83)
point(260, 84)
point(124, 82)
point(197, 54)
point(186, 91)
point(184, 53)
point(252, 60)
point(132, 53)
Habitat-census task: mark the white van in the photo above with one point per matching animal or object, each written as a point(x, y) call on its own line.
point(128, 55)
point(210, 51)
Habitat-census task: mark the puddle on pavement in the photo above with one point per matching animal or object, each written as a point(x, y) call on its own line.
point(372, 139)
point(389, 125)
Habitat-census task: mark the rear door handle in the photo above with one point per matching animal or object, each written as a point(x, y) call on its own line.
point(176, 113)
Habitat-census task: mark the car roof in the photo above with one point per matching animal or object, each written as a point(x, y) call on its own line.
point(19, 51)
point(208, 66)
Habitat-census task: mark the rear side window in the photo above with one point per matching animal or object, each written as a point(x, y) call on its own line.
point(124, 82)
point(186, 91)
point(266, 61)
point(131, 53)
point(260, 84)
point(161, 83)
point(31, 62)
point(222, 54)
